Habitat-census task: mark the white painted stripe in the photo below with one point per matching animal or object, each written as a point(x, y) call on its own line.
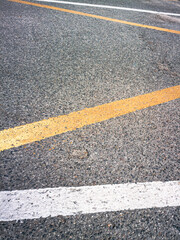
point(36, 203)
point(110, 7)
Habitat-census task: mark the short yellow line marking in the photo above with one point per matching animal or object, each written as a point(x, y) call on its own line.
point(96, 16)
point(37, 131)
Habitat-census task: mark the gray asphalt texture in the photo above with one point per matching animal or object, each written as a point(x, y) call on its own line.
point(55, 63)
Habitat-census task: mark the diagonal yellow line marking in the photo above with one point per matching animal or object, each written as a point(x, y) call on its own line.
point(37, 131)
point(96, 16)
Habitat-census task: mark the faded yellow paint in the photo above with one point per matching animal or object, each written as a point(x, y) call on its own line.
point(37, 131)
point(96, 16)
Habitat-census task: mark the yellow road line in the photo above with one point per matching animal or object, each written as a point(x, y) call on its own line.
point(96, 16)
point(37, 131)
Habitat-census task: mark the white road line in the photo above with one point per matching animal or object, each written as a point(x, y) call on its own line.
point(36, 203)
point(110, 7)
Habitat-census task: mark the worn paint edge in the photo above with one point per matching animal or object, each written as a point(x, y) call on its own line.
point(66, 201)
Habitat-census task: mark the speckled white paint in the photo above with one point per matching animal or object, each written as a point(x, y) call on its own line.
point(110, 7)
point(36, 203)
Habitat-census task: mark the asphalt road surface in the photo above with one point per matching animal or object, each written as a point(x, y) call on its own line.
point(62, 59)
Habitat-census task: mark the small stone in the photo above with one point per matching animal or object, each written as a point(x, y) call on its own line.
point(80, 153)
